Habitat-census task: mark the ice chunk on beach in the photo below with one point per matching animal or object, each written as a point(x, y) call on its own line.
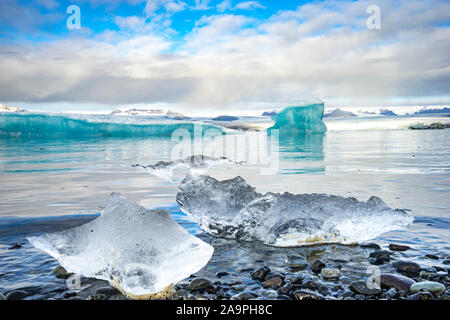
point(137, 250)
point(197, 163)
point(303, 118)
point(233, 209)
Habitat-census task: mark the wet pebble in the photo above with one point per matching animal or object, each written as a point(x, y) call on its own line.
point(397, 281)
point(221, 274)
point(362, 288)
point(407, 267)
point(430, 286)
point(285, 289)
point(432, 256)
point(370, 245)
point(201, 284)
point(391, 293)
point(61, 273)
point(398, 247)
point(107, 291)
point(330, 273)
point(244, 296)
point(317, 266)
point(379, 257)
point(307, 295)
point(296, 262)
point(238, 287)
point(275, 281)
point(260, 274)
point(421, 296)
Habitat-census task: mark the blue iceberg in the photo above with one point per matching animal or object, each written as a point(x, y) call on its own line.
point(304, 118)
point(40, 125)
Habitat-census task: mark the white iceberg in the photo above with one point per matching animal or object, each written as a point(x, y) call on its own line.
point(139, 251)
point(233, 209)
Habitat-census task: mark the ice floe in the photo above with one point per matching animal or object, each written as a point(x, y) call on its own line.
point(139, 251)
point(233, 209)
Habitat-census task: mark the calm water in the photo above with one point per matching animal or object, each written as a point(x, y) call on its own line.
point(47, 184)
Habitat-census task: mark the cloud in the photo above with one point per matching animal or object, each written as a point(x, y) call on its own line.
point(152, 7)
point(249, 5)
point(321, 49)
point(246, 5)
point(223, 6)
point(202, 5)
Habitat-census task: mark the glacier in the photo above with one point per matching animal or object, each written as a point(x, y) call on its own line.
point(139, 251)
point(232, 209)
point(165, 169)
point(304, 118)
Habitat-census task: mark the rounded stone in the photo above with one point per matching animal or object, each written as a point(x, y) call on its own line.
point(398, 247)
point(296, 262)
point(397, 281)
point(307, 295)
point(107, 291)
point(200, 284)
point(273, 282)
point(244, 296)
point(330, 273)
point(370, 245)
point(317, 266)
point(261, 273)
point(361, 287)
point(407, 267)
point(421, 296)
point(61, 273)
point(430, 286)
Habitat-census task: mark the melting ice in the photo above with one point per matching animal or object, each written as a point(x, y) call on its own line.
point(302, 118)
point(140, 251)
point(233, 209)
point(165, 169)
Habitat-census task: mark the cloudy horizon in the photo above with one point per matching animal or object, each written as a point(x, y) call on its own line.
point(205, 56)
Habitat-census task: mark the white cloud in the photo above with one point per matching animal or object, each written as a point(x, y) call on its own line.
point(249, 5)
point(202, 5)
point(226, 5)
point(223, 6)
point(321, 50)
point(152, 7)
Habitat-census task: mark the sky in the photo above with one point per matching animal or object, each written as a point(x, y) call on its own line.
point(223, 56)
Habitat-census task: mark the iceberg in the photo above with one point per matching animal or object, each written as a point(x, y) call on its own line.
point(139, 251)
point(165, 169)
point(42, 125)
point(304, 118)
point(233, 209)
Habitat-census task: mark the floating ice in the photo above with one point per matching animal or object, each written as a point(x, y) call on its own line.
point(233, 209)
point(139, 251)
point(46, 125)
point(165, 169)
point(305, 118)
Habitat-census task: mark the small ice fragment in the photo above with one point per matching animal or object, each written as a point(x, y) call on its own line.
point(139, 251)
point(165, 169)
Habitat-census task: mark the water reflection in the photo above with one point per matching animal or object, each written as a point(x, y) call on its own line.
point(302, 153)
